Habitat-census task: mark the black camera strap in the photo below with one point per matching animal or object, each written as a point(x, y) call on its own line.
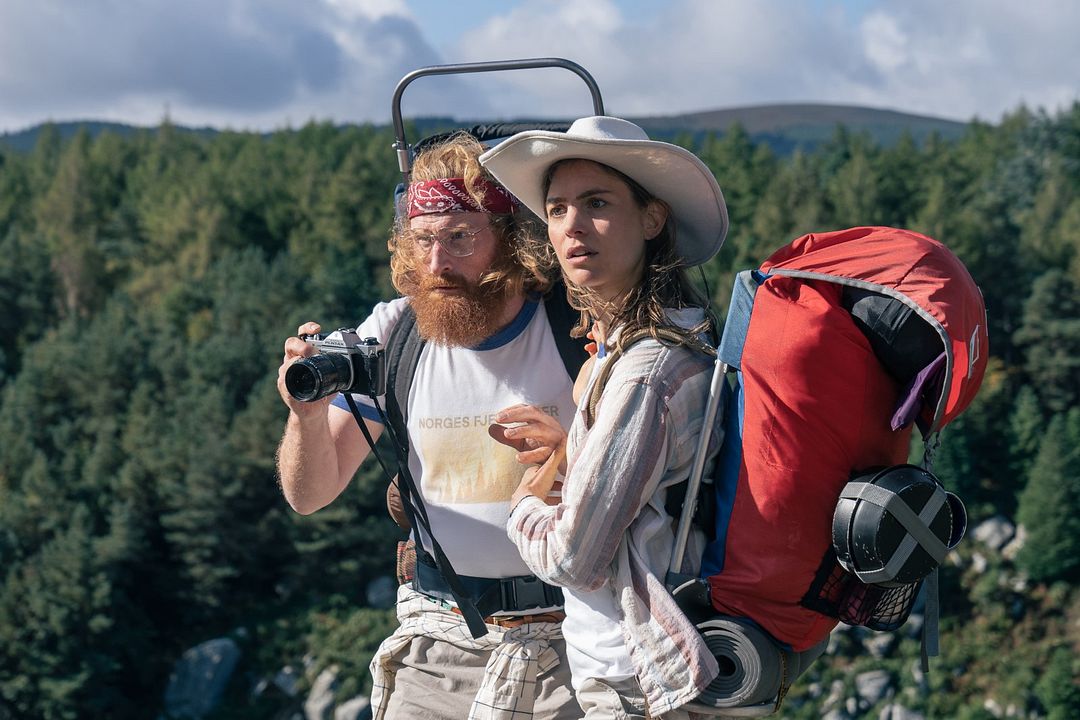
point(418, 518)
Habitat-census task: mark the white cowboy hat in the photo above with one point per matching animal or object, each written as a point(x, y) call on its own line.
point(669, 172)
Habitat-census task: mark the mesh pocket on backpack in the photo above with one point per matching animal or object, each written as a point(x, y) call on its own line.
point(839, 594)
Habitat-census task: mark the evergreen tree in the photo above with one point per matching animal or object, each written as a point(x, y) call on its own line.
point(1057, 689)
point(1050, 504)
point(67, 219)
point(1049, 335)
point(1026, 426)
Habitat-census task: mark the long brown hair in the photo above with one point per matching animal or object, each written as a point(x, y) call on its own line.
point(664, 284)
point(518, 266)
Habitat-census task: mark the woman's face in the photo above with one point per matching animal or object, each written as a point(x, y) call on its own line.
point(598, 229)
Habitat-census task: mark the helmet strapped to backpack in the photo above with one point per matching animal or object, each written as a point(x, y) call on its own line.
point(895, 526)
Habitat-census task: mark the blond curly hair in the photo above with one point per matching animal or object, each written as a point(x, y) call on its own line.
point(524, 262)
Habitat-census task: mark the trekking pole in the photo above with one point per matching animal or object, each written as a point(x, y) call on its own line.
point(674, 577)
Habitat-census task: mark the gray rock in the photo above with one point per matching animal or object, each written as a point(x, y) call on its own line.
point(199, 678)
point(914, 624)
point(358, 708)
point(918, 676)
point(382, 592)
point(842, 640)
point(1018, 583)
point(979, 562)
point(994, 532)
point(837, 714)
point(287, 681)
point(836, 694)
point(880, 644)
point(851, 707)
point(894, 711)
point(993, 707)
point(1015, 545)
point(873, 686)
point(320, 701)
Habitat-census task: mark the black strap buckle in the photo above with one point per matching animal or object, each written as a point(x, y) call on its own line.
point(491, 595)
point(528, 592)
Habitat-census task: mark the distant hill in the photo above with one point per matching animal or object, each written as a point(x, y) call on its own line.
point(786, 127)
point(783, 127)
point(24, 140)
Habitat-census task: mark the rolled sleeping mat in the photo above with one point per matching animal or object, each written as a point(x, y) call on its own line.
point(755, 670)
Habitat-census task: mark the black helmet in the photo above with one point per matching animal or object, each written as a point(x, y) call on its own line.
point(893, 527)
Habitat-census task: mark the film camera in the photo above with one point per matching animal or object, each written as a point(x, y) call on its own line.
point(345, 363)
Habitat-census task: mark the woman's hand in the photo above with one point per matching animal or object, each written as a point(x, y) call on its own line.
point(532, 432)
point(539, 440)
point(540, 480)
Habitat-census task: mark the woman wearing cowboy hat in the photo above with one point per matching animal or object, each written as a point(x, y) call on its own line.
point(625, 216)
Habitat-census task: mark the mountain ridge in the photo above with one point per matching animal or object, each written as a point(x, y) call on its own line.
point(785, 127)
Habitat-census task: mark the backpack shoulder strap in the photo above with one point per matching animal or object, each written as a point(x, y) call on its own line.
point(562, 318)
point(403, 349)
point(662, 334)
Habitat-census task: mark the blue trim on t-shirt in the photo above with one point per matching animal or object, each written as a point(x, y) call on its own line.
point(366, 411)
point(504, 336)
point(511, 331)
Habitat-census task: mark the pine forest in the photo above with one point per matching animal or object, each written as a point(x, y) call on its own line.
point(147, 283)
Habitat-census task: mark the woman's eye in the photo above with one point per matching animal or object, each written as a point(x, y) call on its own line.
point(556, 211)
point(597, 203)
point(457, 236)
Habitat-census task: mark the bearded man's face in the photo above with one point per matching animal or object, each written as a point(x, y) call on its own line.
point(452, 306)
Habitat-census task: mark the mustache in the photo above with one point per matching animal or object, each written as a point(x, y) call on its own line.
point(430, 282)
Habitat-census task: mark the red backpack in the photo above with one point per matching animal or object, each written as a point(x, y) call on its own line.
point(814, 405)
point(833, 349)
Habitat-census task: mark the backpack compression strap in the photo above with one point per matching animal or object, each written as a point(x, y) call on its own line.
point(562, 318)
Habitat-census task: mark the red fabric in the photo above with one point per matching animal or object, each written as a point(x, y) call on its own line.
point(446, 195)
point(817, 407)
point(922, 269)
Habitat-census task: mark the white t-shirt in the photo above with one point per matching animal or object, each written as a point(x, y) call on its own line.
point(466, 478)
point(595, 644)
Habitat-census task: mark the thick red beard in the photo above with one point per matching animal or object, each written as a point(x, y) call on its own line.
point(463, 320)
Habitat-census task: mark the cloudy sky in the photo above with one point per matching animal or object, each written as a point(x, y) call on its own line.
point(266, 64)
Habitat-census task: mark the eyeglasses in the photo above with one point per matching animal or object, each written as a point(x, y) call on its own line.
point(457, 242)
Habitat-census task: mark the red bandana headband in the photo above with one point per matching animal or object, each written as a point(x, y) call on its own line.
point(448, 195)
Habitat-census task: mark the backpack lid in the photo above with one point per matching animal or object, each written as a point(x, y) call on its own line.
point(922, 273)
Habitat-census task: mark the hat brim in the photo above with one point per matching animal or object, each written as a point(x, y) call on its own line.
point(669, 172)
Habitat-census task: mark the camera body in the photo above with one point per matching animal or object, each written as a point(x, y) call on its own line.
point(345, 363)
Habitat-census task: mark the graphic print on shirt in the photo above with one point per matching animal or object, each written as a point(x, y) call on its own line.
point(462, 464)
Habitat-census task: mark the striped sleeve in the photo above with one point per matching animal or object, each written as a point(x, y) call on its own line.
point(612, 474)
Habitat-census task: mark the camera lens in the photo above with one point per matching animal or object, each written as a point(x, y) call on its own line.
point(318, 376)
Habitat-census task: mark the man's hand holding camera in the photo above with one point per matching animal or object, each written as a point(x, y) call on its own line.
point(296, 348)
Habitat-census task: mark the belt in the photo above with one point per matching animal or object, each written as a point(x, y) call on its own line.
point(513, 621)
point(490, 595)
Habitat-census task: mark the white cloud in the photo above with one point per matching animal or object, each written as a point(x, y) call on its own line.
point(886, 46)
point(693, 55)
point(963, 59)
point(262, 63)
point(243, 63)
point(957, 59)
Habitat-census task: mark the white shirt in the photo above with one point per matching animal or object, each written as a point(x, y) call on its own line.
point(466, 478)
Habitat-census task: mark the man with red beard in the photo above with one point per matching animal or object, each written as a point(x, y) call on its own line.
point(469, 267)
